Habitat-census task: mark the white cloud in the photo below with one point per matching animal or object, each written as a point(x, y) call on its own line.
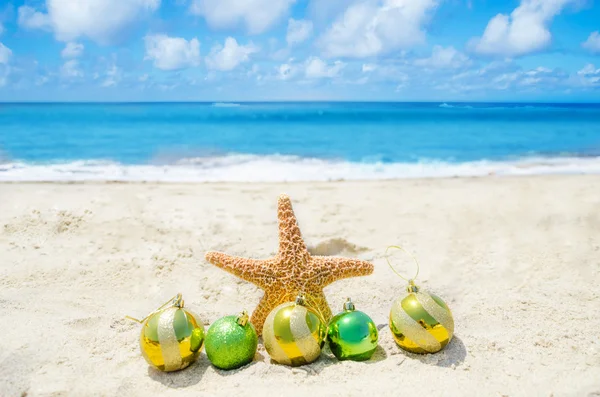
point(311, 69)
point(29, 18)
point(368, 67)
point(5, 54)
point(441, 57)
point(113, 76)
point(103, 21)
point(371, 28)
point(386, 73)
point(592, 43)
point(286, 71)
point(41, 80)
point(403, 82)
point(70, 70)
point(256, 15)
point(72, 50)
point(589, 75)
point(322, 12)
point(298, 31)
point(255, 72)
point(588, 70)
point(280, 54)
point(507, 75)
point(316, 68)
point(172, 53)
point(229, 56)
point(536, 76)
point(523, 32)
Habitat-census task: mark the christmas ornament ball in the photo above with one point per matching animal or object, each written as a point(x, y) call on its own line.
point(421, 322)
point(171, 339)
point(231, 342)
point(352, 335)
point(293, 334)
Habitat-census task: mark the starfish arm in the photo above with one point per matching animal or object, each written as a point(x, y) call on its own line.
point(256, 271)
point(291, 244)
point(332, 268)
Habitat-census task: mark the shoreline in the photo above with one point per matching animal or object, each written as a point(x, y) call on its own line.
point(300, 182)
point(285, 169)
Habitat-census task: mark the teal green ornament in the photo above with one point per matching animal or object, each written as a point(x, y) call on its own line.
point(231, 342)
point(352, 335)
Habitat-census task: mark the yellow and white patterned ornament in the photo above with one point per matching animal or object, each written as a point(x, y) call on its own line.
point(171, 337)
point(420, 322)
point(293, 334)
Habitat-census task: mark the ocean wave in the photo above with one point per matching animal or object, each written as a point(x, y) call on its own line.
point(226, 105)
point(448, 106)
point(277, 168)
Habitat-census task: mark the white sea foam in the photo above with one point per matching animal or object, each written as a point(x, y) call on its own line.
point(250, 168)
point(226, 105)
point(447, 106)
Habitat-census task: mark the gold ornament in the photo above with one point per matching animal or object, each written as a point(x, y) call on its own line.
point(293, 334)
point(292, 271)
point(171, 337)
point(420, 322)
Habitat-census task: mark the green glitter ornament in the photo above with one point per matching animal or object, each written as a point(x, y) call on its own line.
point(231, 342)
point(352, 335)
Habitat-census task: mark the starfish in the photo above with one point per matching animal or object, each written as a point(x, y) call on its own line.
point(292, 271)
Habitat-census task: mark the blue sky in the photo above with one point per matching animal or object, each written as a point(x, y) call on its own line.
point(228, 50)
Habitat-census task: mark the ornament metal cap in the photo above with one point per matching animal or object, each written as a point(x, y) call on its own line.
point(349, 305)
point(300, 300)
point(178, 301)
point(412, 287)
point(242, 319)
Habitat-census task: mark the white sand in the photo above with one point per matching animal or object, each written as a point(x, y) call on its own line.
point(516, 259)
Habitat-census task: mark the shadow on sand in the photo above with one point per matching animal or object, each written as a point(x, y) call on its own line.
point(453, 355)
point(180, 379)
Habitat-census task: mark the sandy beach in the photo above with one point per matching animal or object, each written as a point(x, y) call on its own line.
point(517, 259)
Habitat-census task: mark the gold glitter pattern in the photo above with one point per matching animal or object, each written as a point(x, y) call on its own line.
point(411, 331)
point(292, 271)
point(441, 314)
point(421, 323)
point(168, 340)
point(293, 335)
point(171, 339)
point(270, 341)
point(305, 340)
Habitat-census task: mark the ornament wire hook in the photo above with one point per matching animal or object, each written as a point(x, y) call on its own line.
point(311, 303)
point(176, 301)
point(410, 280)
point(315, 307)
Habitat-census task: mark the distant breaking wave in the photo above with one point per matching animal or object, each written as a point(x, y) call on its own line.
point(225, 105)
point(276, 168)
point(447, 106)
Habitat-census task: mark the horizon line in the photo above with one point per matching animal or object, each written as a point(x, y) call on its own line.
point(296, 101)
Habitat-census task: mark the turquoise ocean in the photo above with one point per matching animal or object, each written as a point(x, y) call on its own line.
point(302, 141)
